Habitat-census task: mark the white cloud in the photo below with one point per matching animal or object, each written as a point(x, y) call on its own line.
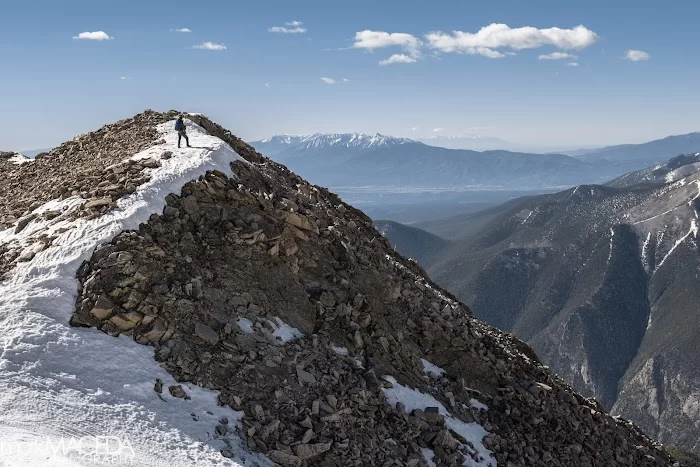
point(267, 85)
point(486, 42)
point(637, 56)
point(413, 129)
point(398, 58)
point(572, 64)
point(182, 30)
point(294, 28)
point(496, 36)
point(209, 46)
point(126, 78)
point(371, 40)
point(93, 36)
point(438, 130)
point(558, 56)
point(345, 80)
point(328, 80)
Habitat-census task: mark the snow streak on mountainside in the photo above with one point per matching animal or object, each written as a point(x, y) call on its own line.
point(62, 388)
point(674, 170)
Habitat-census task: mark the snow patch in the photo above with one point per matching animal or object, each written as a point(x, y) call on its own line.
point(645, 252)
point(477, 405)
point(431, 368)
point(284, 332)
point(342, 351)
point(19, 159)
point(472, 432)
point(63, 383)
point(612, 236)
point(246, 325)
point(428, 455)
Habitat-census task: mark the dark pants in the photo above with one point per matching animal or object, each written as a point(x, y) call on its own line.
point(180, 135)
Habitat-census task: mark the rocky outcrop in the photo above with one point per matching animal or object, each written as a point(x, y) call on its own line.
point(287, 301)
point(90, 165)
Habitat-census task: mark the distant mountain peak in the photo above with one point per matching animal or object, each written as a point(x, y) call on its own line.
point(355, 140)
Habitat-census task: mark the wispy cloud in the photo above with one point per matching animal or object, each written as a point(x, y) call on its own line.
point(328, 80)
point(398, 58)
point(345, 80)
point(93, 36)
point(637, 56)
point(572, 64)
point(292, 27)
point(126, 78)
point(438, 130)
point(267, 85)
point(209, 46)
point(558, 56)
point(182, 30)
point(488, 39)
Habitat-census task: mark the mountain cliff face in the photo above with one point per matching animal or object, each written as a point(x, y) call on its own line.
point(250, 318)
point(602, 282)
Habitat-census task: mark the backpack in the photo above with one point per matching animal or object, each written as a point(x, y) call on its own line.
point(179, 125)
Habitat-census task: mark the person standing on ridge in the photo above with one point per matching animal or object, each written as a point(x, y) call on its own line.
point(181, 131)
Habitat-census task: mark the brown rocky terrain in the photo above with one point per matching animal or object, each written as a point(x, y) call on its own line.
point(216, 281)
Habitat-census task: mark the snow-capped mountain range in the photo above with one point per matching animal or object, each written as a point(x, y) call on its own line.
point(332, 140)
point(356, 159)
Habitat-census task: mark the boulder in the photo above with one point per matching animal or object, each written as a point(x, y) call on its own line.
point(103, 308)
point(206, 333)
point(307, 451)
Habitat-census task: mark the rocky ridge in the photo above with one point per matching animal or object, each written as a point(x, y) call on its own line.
point(286, 300)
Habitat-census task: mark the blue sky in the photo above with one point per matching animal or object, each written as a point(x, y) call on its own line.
point(492, 83)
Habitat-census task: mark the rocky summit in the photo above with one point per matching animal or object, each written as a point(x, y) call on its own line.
point(331, 348)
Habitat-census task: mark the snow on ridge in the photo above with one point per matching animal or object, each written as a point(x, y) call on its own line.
point(19, 159)
point(60, 384)
point(473, 432)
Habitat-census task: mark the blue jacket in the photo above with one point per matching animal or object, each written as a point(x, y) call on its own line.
point(179, 125)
